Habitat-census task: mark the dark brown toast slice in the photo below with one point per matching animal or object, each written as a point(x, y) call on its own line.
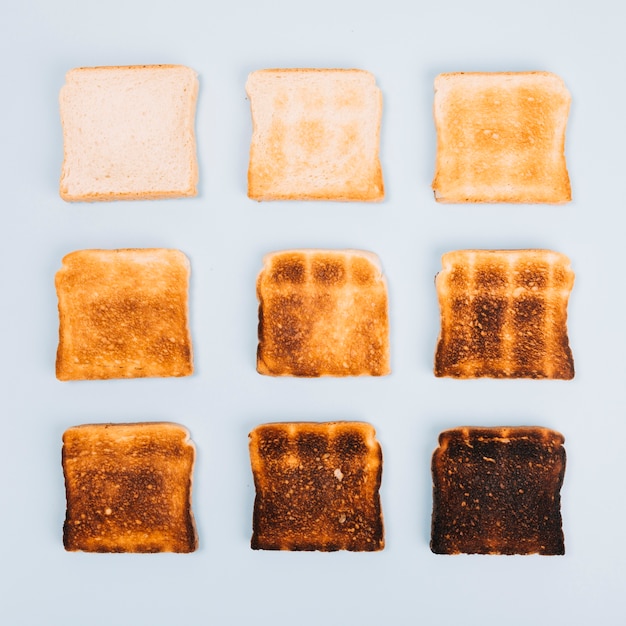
point(128, 488)
point(322, 313)
point(501, 137)
point(317, 487)
point(123, 314)
point(504, 314)
point(497, 491)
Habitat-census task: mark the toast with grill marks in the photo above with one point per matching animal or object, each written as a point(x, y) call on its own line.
point(123, 314)
point(322, 313)
point(128, 488)
point(501, 138)
point(504, 314)
point(317, 487)
point(497, 491)
point(315, 135)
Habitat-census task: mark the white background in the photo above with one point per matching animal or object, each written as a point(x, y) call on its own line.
point(405, 45)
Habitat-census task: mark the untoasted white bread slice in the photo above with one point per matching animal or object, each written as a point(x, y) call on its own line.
point(315, 135)
point(128, 133)
point(501, 138)
point(123, 314)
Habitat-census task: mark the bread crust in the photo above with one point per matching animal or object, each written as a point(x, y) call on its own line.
point(316, 135)
point(128, 133)
point(497, 491)
point(123, 314)
point(501, 138)
point(322, 313)
point(317, 487)
point(128, 488)
point(504, 314)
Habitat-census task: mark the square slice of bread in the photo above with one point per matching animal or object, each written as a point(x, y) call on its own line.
point(128, 488)
point(497, 491)
point(128, 133)
point(315, 135)
point(504, 314)
point(501, 138)
point(317, 487)
point(322, 313)
point(123, 314)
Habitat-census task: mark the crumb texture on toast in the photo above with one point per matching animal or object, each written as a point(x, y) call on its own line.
point(123, 314)
point(497, 491)
point(129, 133)
point(501, 138)
point(322, 313)
point(504, 314)
point(128, 488)
point(317, 487)
point(315, 135)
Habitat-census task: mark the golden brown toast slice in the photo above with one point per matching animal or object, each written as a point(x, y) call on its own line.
point(497, 491)
point(504, 314)
point(128, 488)
point(123, 314)
point(315, 135)
point(322, 313)
point(501, 138)
point(317, 487)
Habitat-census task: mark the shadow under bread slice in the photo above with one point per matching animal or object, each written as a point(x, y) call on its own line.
point(317, 487)
point(497, 491)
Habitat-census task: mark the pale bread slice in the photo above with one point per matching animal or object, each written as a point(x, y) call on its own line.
point(123, 314)
point(501, 138)
point(315, 135)
point(322, 313)
point(128, 133)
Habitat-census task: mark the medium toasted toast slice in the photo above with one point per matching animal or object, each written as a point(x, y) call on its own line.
point(501, 138)
point(317, 487)
point(322, 313)
point(504, 314)
point(315, 135)
point(128, 133)
point(497, 491)
point(128, 488)
point(123, 314)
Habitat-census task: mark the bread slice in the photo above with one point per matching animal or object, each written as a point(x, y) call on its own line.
point(123, 314)
point(501, 138)
point(128, 133)
point(497, 491)
point(322, 313)
point(504, 314)
point(129, 488)
point(317, 487)
point(315, 135)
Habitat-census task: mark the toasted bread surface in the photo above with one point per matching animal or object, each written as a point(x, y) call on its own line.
point(315, 135)
point(504, 314)
point(128, 488)
point(317, 487)
point(497, 491)
point(501, 138)
point(322, 313)
point(123, 314)
point(128, 133)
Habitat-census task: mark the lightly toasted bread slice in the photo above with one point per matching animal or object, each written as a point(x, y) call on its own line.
point(501, 138)
point(123, 314)
point(317, 487)
point(128, 133)
point(315, 135)
point(322, 313)
point(128, 488)
point(504, 314)
point(497, 491)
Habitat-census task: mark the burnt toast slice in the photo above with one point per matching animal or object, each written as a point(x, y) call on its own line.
point(317, 487)
point(497, 491)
